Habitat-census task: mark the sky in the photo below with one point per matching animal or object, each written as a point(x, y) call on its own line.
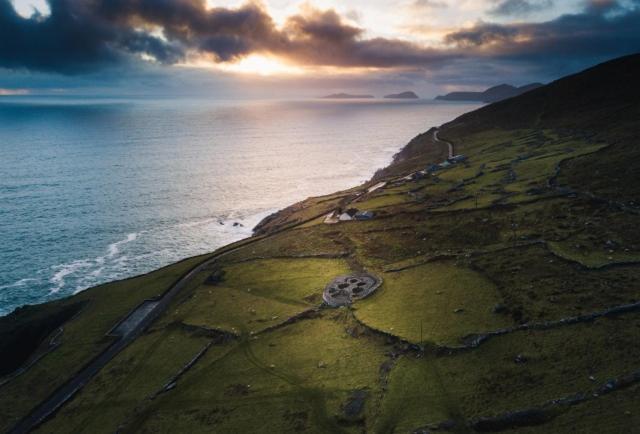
point(244, 49)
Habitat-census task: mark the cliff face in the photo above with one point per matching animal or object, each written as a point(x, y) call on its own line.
point(509, 296)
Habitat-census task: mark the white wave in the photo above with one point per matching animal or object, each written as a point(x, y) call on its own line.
point(89, 277)
point(64, 270)
point(206, 235)
point(114, 248)
point(236, 224)
point(202, 222)
point(19, 283)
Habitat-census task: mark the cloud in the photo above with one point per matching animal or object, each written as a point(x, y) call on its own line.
point(591, 34)
point(79, 36)
point(519, 7)
point(82, 34)
point(601, 6)
point(72, 38)
point(428, 4)
point(322, 38)
point(482, 34)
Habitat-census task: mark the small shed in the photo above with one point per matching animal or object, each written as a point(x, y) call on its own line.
point(363, 215)
point(432, 168)
point(348, 214)
point(457, 159)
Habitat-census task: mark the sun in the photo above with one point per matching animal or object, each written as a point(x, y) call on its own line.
point(267, 66)
point(257, 64)
point(254, 64)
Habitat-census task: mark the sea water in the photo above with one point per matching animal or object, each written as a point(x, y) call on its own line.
point(93, 190)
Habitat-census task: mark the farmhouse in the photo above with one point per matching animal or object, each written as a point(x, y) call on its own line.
point(363, 215)
point(457, 159)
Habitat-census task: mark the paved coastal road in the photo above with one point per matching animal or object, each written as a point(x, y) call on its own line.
point(65, 392)
point(438, 139)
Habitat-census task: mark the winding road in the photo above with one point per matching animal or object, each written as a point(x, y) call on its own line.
point(438, 139)
point(64, 393)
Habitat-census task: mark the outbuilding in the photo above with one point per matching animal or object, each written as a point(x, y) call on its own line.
point(363, 215)
point(432, 168)
point(457, 159)
point(348, 215)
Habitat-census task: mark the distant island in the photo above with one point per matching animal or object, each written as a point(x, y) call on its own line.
point(347, 96)
point(493, 94)
point(403, 95)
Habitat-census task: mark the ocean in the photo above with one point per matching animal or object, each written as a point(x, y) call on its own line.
point(95, 189)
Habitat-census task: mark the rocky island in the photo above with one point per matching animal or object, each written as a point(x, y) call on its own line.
point(347, 96)
point(507, 297)
point(403, 95)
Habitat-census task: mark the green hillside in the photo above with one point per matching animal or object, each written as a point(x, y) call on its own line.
point(510, 296)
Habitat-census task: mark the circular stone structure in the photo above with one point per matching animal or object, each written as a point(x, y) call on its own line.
point(344, 290)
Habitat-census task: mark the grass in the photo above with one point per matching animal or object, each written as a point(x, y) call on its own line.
point(294, 242)
point(383, 201)
point(306, 210)
point(481, 201)
point(415, 397)
point(84, 337)
point(236, 311)
point(258, 294)
point(295, 378)
point(458, 173)
point(407, 186)
point(437, 303)
point(488, 381)
point(286, 280)
point(530, 256)
point(616, 413)
point(134, 376)
point(592, 258)
point(557, 363)
point(536, 285)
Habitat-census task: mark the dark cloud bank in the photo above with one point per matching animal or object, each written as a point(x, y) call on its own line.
point(82, 34)
point(85, 35)
point(519, 7)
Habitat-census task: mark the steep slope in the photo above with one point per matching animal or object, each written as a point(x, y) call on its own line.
point(601, 103)
point(510, 296)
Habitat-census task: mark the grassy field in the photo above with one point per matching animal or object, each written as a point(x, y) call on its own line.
point(437, 303)
point(295, 378)
point(529, 238)
point(84, 336)
point(259, 294)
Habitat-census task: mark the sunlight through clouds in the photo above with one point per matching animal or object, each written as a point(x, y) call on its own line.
point(254, 64)
point(26, 8)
